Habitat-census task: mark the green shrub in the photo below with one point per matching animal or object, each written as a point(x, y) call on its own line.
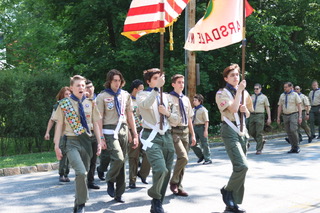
point(26, 106)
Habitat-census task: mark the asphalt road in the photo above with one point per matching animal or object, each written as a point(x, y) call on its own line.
point(276, 182)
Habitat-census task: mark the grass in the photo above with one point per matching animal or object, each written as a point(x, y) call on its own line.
point(50, 157)
point(27, 159)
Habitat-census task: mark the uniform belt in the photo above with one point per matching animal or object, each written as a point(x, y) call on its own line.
point(72, 137)
point(180, 127)
point(149, 130)
point(198, 124)
point(256, 113)
point(316, 106)
point(231, 122)
point(290, 113)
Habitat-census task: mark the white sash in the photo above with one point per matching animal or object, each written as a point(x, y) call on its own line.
point(236, 116)
point(115, 132)
point(155, 128)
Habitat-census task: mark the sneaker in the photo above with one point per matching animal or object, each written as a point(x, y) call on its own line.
point(207, 162)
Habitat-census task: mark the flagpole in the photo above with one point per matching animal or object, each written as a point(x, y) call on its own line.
point(161, 72)
point(244, 41)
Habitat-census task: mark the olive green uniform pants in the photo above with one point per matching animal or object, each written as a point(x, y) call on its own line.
point(160, 157)
point(291, 126)
point(180, 137)
point(94, 145)
point(256, 125)
point(134, 155)
point(304, 125)
point(63, 163)
point(104, 159)
point(314, 115)
point(79, 153)
point(236, 147)
point(118, 150)
point(201, 149)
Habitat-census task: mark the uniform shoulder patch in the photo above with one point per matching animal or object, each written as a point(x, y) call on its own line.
point(219, 91)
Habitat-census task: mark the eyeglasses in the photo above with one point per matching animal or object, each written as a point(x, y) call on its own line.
point(256, 88)
point(296, 89)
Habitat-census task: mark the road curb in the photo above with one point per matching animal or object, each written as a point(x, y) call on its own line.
point(54, 166)
point(29, 169)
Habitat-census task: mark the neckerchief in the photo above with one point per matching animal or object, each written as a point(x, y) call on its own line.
point(149, 89)
point(81, 111)
point(255, 101)
point(231, 89)
point(133, 97)
point(195, 112)
point(286, 101)
point(116, 100)
point(314, 91)
point(181, 106)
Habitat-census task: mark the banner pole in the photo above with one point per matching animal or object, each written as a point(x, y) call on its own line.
point(161, 73)
point(244, 43)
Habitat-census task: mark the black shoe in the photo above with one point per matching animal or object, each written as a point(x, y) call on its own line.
point(143, 180)
point(313, 136)
point(79, 208)
point(207, 162)
point(62, 178)
point(200, 159)
point(287, 139)
point(93, 186)
point(296, 150)
point(132, 185)
point(318, 136)
point(66, 178)
point(119, 199)
point(236, 209)
point(110, 189)
point(100, 174)
point(227, 198)
point(156, 206)
point(309, 139)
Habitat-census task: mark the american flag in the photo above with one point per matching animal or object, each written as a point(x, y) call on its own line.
point(151, 16)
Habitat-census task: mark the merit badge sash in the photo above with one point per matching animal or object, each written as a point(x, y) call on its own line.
point(71, 116)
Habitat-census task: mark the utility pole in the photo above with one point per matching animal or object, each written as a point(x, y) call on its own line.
point(190, 57)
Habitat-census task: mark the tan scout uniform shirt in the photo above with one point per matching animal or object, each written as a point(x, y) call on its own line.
point(107, 107)
point(223, 101)
point(316, 99)
point(201, 116)
point(90, 110)
point(304, 101)
point(145, 101)
point(187, 108)
point(293, 100)
point(262, 103)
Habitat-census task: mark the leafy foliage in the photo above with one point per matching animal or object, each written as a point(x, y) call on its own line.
point(44, 37)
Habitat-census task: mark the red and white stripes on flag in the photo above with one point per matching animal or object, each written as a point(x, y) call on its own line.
point(151, 16)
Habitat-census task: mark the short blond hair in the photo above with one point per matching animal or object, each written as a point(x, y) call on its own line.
point(76, 78)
